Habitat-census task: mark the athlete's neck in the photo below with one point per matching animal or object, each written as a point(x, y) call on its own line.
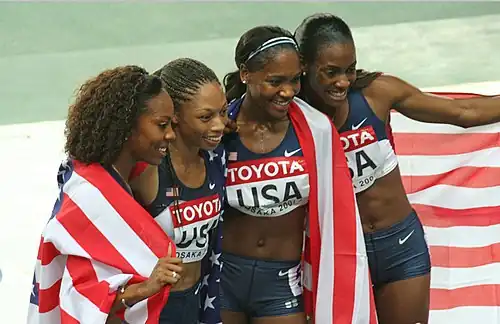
point(124, 165)
point(335, 113)
point(183, 153)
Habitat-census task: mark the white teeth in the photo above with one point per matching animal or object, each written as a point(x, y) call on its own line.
point(281, 103)
point(214, 139)
point(338, 94)
point(163, 150)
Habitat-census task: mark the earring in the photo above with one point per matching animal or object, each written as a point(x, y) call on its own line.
point(304, 73)
point(244, 81)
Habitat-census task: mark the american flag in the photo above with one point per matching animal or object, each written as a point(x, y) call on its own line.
point(83, 257)
point(452, 177)
point(97, 239)
point(233, 156)
point(209, 292)
point(172, 192)
point(337, 287)
point(211, 265)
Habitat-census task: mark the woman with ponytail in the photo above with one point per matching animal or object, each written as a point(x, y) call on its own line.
point(359, 104)
point(275, 195)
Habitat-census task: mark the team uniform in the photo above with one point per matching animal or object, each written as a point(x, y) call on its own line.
point(400, 251)
point(263, 185)
point(190, 216)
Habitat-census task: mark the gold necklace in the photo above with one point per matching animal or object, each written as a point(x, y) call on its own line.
point(262, 139)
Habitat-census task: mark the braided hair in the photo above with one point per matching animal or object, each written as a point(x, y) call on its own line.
point(182, 79)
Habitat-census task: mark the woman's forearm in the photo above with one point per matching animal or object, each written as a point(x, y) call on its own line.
point(131, 295)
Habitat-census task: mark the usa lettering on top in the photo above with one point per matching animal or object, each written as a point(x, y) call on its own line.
point(189, 215)
point(270, 184)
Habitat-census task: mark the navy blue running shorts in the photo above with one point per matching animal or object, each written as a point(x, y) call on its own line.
point(260, 288)
point(399, 252)
point(182, 307)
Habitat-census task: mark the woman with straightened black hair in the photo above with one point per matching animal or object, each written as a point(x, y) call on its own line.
point(359, 104)
point(272, 185)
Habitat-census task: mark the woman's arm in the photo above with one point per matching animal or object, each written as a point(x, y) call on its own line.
point(168, 271)
point(131, 295)
point(429, 108)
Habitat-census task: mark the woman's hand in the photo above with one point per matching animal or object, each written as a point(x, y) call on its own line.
point(167, 271)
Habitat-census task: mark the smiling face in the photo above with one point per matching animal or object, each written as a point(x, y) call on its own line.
point(153, 131)
point(332, 73)
point(274, 86)
point(201, 120)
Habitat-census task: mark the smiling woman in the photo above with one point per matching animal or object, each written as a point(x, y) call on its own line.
point(119, 118)
point(185, 192)
point(398, 254)
point(108, 128)
point(267, 185)
point(272, 191)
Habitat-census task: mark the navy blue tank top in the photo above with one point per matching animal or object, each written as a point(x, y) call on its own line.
point(188, 215)
point(269, 184)
point(369, 152)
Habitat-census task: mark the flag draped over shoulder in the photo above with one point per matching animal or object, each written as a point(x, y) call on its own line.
point(97, 239)
point(452, 178)
point(337, 286)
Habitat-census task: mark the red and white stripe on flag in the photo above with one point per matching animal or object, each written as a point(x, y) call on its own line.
point(98, 239)
point(452, 177)
point(337, 287)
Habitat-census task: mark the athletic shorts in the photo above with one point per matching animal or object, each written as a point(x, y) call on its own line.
point(260, 288)
point(399, 252)
point(182, 307)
